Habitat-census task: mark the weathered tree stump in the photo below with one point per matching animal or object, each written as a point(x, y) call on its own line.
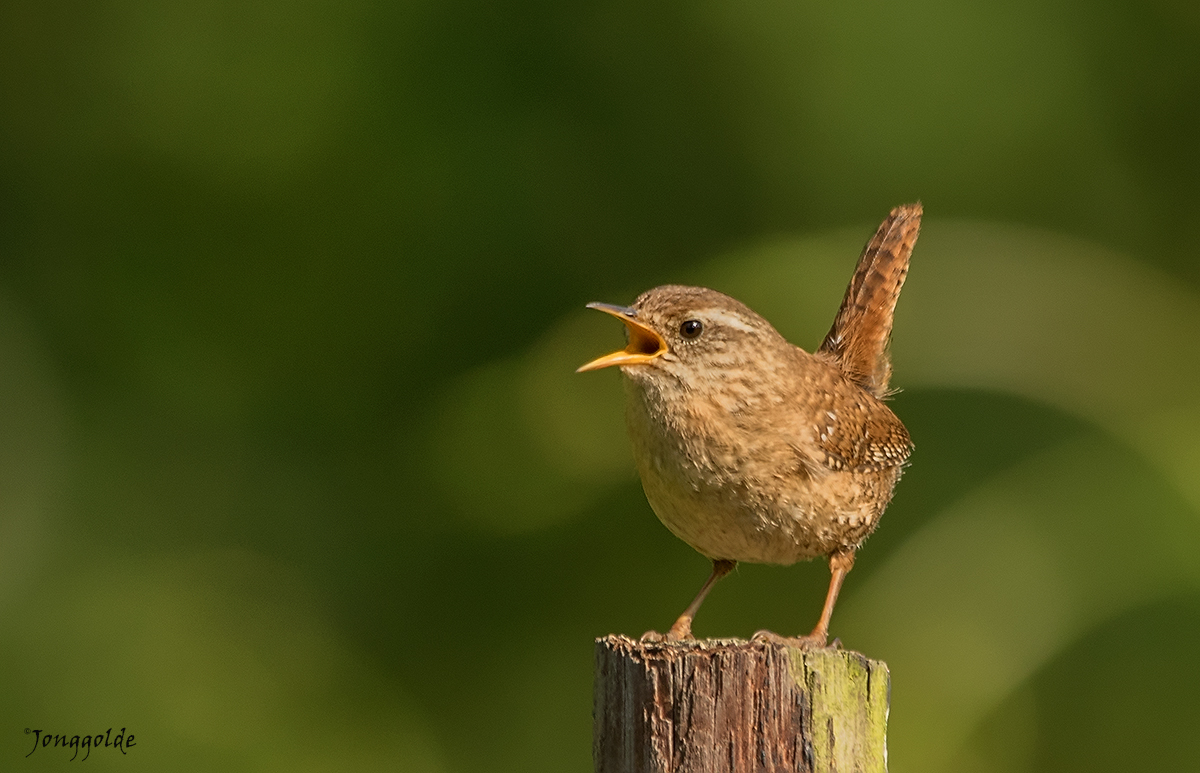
point(724, 705)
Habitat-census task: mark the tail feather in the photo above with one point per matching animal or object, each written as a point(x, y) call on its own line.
point(858, 340)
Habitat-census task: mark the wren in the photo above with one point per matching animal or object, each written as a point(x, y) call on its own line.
point(750, 448)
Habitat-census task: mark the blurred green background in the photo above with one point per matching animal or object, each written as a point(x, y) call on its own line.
point(295, 473)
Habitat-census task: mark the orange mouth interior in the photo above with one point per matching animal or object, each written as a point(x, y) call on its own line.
point(644, 343)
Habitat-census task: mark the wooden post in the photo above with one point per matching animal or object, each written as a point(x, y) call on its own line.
point(725, 705)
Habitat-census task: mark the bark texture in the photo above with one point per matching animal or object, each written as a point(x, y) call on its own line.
point(730, 705)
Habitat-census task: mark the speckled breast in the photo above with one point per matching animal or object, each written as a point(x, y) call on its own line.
point(725, 496)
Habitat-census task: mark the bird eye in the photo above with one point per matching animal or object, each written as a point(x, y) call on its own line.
point(691, 329)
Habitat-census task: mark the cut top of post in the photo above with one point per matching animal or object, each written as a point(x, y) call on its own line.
point(722, 705)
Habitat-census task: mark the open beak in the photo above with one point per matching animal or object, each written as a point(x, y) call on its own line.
point(644, 344)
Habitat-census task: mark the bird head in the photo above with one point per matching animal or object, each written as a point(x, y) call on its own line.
point(674, 328)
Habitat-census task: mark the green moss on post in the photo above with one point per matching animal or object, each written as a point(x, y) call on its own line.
point(724, 705)
point(849, 695)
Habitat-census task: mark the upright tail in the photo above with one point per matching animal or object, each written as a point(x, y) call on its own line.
point(858, 340)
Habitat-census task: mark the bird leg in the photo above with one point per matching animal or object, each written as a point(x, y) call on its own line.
point(682, 629)
point(840, 564)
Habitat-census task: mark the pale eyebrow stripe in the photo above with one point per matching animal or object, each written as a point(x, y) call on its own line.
point(724, 317)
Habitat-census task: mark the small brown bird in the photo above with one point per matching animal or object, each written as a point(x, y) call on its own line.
point(751, 449)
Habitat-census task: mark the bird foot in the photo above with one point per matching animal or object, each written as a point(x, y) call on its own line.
point(809, 642)
point(681, 631)
point(658, 638)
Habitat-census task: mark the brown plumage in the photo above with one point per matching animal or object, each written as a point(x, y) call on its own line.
point(858, 340)
point(752, 449)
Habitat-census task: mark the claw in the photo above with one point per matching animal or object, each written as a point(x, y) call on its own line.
point(809, 642)
point(672, 635)
point(768, 637)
